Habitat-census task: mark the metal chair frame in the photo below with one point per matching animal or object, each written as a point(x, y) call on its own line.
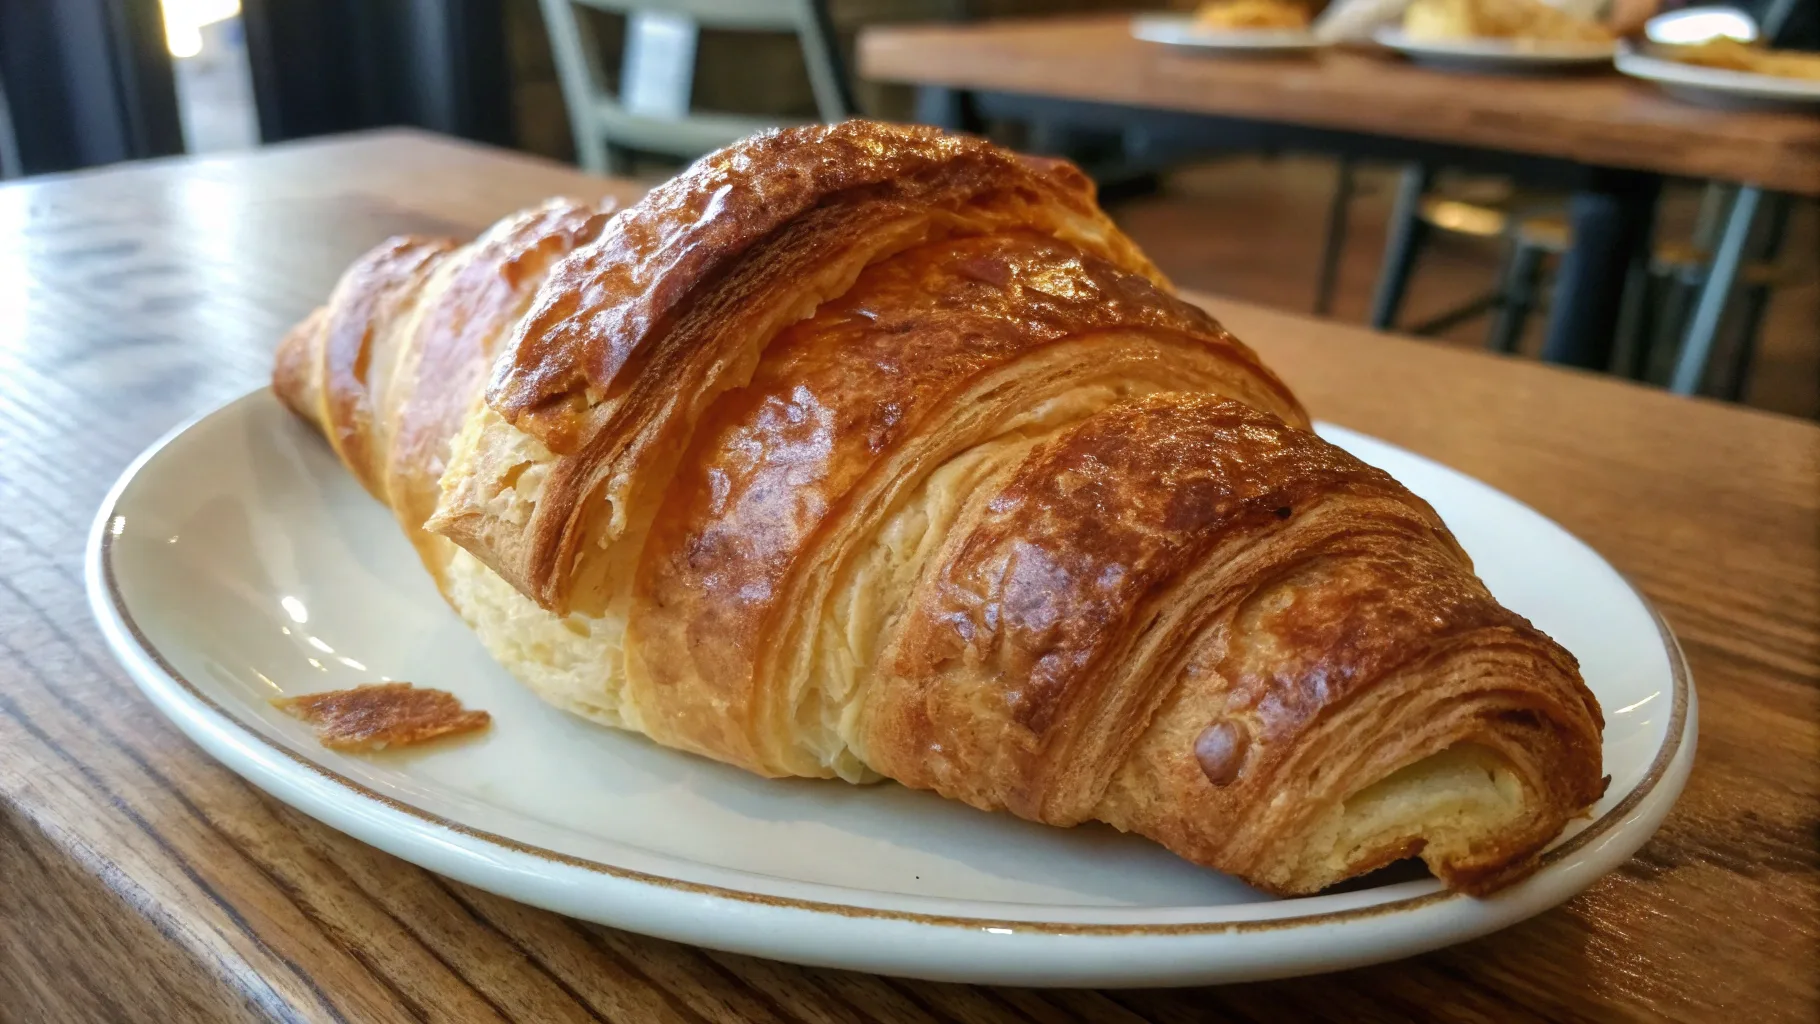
point(1729, 229)
point(650, 111)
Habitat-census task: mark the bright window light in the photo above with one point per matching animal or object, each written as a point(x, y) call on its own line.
point(183, 21)
point(1699, 24)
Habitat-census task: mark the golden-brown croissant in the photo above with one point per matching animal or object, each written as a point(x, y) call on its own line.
point(867, 450)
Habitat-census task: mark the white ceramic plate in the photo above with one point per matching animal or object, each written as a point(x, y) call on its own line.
point(1180, 30)
point(1505, 56)
point(1719, 87)
point(236, 561)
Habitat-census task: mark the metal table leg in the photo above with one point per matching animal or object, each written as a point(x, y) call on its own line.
point(1697, 348)
point(1611, 227)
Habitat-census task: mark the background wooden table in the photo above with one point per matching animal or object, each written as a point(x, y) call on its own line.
point(1597, 118)
point(140, 881)
point(1608, 138)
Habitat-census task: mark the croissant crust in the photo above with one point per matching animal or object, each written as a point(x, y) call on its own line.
point(868, 451)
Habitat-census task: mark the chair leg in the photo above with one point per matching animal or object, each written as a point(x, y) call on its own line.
point(1774, 213)
point(1744, 350)
point(1333, 249)
point(1523, 279)
point(828, 78)
point(1678, 291)
point(576, 50)
point(614, 161)
point(1697, 348)
point(1471, 309)
point(1636, 338)
point(1401, 246)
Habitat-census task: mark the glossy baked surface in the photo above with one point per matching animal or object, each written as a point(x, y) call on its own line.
point(866, 451)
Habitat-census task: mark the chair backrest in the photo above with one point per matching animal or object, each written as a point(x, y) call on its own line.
point(649, 111)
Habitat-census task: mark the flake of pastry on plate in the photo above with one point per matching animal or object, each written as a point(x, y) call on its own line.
point(382, 715)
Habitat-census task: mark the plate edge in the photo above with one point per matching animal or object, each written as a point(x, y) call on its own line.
point(109, 608)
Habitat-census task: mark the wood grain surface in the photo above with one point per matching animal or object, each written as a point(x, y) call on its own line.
point(140, 880)
point(1599, 118)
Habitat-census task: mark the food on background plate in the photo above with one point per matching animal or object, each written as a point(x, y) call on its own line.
point(382, 716)
point(866, 451)
point(1732, 55)
point(1356, 21)
point(1527, 20)
point(1253, 14)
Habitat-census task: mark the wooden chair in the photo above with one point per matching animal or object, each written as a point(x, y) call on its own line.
point(649, 111)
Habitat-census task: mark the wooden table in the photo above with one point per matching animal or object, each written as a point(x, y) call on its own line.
point(141, 881)
point(1597, 119)
point(1607, 136)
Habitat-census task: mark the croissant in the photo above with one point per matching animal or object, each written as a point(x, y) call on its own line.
point(868, 451)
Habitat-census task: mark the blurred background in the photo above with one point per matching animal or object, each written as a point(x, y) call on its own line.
point(91, 82)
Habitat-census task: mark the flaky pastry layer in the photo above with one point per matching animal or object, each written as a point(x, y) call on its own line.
point(867, 451)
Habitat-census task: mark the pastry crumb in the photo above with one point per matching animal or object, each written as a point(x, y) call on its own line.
point(381, 715)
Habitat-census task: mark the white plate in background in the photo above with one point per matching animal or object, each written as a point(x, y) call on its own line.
point(1183, 30)
point(1720, 87)
point(1505, 56)
point(236, 561)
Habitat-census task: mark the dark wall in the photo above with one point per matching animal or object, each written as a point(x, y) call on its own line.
point(87, 82)
point(322, 66)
